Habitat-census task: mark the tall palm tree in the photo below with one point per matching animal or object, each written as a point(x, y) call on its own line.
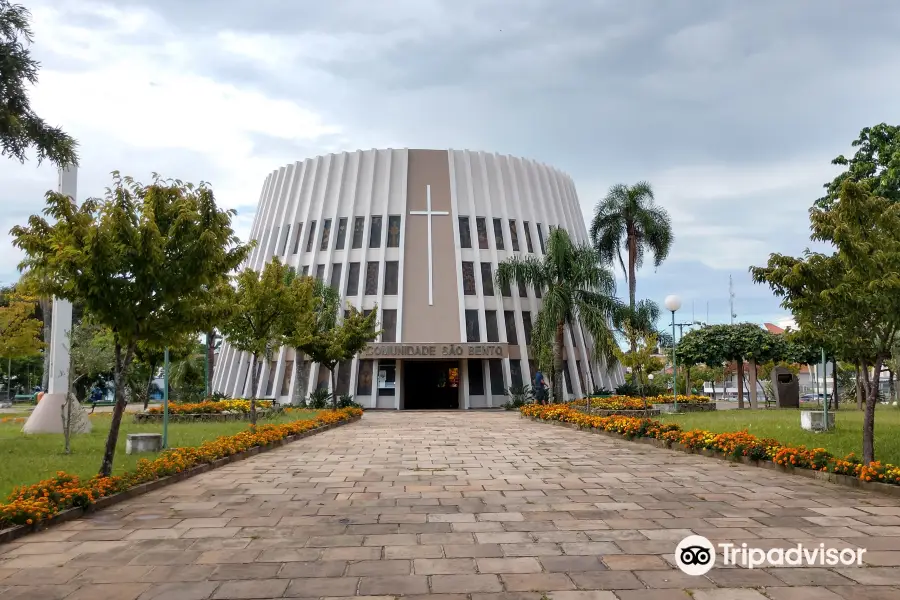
point(629, 220)
point(575, 286)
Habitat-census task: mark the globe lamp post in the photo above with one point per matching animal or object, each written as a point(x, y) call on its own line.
point(673, 303)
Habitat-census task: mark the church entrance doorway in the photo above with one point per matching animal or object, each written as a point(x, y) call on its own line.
point(430, 385)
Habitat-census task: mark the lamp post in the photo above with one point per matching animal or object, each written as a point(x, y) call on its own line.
point(673, 303)
point(165, 435)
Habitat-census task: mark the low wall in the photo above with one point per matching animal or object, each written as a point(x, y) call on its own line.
point(685, 407)
point(604, 412)
point(204, 418)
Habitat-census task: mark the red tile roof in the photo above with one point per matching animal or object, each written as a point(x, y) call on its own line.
point(773, 328)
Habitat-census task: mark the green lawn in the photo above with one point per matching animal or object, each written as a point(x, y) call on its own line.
point(26, 459)
point(784, 426)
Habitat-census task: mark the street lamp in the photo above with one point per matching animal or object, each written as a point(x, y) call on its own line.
point(673, 303)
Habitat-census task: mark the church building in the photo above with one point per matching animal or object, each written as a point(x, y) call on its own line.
point(419, 234)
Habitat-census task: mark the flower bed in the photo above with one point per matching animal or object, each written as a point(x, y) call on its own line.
point(633, 403)
point(29, 505)
point(736, 445)
point(209, 407)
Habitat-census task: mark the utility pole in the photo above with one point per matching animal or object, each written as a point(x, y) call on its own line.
point(731, 298)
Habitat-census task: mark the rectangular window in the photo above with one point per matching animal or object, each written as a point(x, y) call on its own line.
point(528, 236)
point(490, 323)
point(298, 230)
point(393, 240)
point(326, 234)
point(364, 378)
point(389, 325)
point(371, 278)
point(496, 370)
point(310, 236)
point(305, 270)
point(273, 241)
point(498, 234)
point(353, 279)
point(320, 272)
point(526, 325)
point(391, 275)
point(359, 228)
point(286, 378)
point(568, 378)
point(523, 292)
point(515, 372)
point(336, 269)
point(540, 230)
point(476, 377)
point(504, 289)
point(513, 235)
point(375, 232)
point(481, 226)
point(284, 240)
point(465, 235)
point(487, 280)
point(472, 331)
point(510, 318)
point(387, 377)
point(270, 380)
point(468, 273)
point(343, 377)
point(341, 234)
point(537, 291)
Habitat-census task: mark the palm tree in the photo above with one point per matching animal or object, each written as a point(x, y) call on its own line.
point(628, 219)
point(575, 286)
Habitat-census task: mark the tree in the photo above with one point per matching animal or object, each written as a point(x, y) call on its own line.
point(263, 302)
point(148, 358)
point(329, 347)
point(314, 312)
point(91, 353)
point(641, 361)
point(19, 330)
point(575, 286)
point(854, 292)
point(876, 164)
point(20, 127)
point(145, 261)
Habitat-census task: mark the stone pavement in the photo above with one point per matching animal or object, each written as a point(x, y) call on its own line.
point(454, 504)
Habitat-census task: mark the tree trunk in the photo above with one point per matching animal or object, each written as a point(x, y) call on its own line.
point(754, 398)
point(558, 362)
point(295, 388)
point(834, 385)
point(632, 290)
point(149, 385)
point(891, 385)
point(869, 418)
point(253, 391)
point(740, 383)
point(859, 387)
point(47, 313)
point(333, 377)
point(121, 367)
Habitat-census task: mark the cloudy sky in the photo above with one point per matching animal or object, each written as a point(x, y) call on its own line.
point(731, 109)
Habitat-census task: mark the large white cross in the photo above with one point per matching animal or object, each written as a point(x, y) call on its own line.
point(428, 213)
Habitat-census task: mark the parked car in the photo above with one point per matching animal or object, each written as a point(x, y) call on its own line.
point(812, 398)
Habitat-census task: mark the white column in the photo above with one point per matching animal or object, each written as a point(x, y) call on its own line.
point(47, 416)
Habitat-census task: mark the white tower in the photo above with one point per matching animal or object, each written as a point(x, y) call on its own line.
point(47, 415)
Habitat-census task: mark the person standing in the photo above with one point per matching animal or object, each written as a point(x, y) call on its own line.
point(540, 388)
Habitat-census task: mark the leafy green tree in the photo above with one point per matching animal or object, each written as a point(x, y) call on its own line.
point(263, 304)
point(852, 293)
point(20, 127)
point(876, 164)
point(91, 354)
point(575, 286)
point(344, 340)
point(314, 312)
point(641, 361)
point(148, 358)
point(145, 261)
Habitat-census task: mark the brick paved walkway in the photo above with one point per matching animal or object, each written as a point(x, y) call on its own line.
point(484, 504)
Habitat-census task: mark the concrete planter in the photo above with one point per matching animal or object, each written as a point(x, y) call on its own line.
point(814, 420)
point(208, 417)
point(685, 407)
point(640, 414)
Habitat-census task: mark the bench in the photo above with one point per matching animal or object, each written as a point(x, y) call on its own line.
point(771, 402)
point(102, 403)
point(24, 398)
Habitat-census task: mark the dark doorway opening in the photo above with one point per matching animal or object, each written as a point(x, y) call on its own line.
point(430, 385)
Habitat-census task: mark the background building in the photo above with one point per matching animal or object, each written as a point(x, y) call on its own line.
point(419, 233)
